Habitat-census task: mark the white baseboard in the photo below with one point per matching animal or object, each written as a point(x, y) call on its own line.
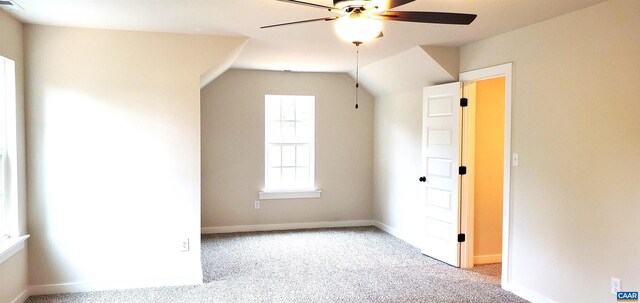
point(515, 289)
point(527, 294)
point(47, 289)
point(394, 232)
point(284, 226)
point(23, 296)
point(487, 259)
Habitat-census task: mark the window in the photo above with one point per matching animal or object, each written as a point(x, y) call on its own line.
point(10, 240)
point(289, 143)
point(4, 203)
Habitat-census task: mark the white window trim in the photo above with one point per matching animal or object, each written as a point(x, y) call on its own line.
point(11, 246)
point(298, 194)
point(5, 204)
point(14, 243)
point(5, 208)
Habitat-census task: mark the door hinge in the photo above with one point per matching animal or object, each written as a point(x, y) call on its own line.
point(462, 170)
point(464, 102)
point(461, 238)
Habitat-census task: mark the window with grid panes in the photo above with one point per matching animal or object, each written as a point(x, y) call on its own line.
point(289, 142)
point(4, 203)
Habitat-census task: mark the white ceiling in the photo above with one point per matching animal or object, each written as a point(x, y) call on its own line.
point(410, 70)
point(302, 47)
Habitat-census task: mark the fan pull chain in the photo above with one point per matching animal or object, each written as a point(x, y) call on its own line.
point(357, 70)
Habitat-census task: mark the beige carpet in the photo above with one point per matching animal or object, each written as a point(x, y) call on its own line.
point(326, 265)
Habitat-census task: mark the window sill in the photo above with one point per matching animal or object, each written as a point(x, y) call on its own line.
point(11, 246)
point(292, 194)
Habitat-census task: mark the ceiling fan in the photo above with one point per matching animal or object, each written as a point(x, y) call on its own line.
point(361, 19)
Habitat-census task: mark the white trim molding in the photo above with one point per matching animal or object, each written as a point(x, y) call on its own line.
point(526, 293)
point(487, 259)
point(273, 195)
point(11, 246)
point(22, 297)
point(86, 286)
point(284, 226)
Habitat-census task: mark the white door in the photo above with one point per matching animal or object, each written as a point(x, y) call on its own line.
point(440, 179)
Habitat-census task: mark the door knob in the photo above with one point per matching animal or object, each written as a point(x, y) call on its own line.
point(423, 179)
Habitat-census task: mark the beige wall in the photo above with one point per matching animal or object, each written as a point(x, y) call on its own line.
point(14, 278)
point(14, 271)
point(233, 149)
point(575, 125)
point(489, 167)
point(114, 154)
point(397, 153)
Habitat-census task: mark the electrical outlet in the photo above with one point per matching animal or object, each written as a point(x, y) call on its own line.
point(257, 204)
point(615, 285)
point(184, 245)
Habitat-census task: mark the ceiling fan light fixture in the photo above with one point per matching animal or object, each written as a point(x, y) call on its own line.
point(358, 28)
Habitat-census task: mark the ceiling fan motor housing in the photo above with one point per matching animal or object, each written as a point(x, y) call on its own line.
point(349, 5)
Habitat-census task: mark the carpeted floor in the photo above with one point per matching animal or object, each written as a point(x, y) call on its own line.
point(321, 265)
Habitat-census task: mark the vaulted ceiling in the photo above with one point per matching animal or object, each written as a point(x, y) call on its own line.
point(302, 47)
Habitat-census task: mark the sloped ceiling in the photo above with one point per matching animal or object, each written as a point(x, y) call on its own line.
point(392, 64)
point(312, 47)
point(410, 70)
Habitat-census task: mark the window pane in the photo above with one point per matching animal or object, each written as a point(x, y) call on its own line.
point(304, 132)
point(273, 178)
point(288, 109)
point(302, 177)
point(272, 133)
point(274, 156)
point(4, 214)
point(288, 156)
point(304, 109)
point(288, 132)
point(272, 109)
point(302, 156)
point(288, 177)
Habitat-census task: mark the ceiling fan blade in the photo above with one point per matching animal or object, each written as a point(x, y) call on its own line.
point(428, 17)
point(302, 21)
point(383, 5)
point(308, 4)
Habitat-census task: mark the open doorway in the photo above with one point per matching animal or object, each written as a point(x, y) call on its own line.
point(487, 170)
point(485, 132)
point(447, 178)
point(485, 205)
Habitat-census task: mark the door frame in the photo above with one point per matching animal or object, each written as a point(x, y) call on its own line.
point(503, 70)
